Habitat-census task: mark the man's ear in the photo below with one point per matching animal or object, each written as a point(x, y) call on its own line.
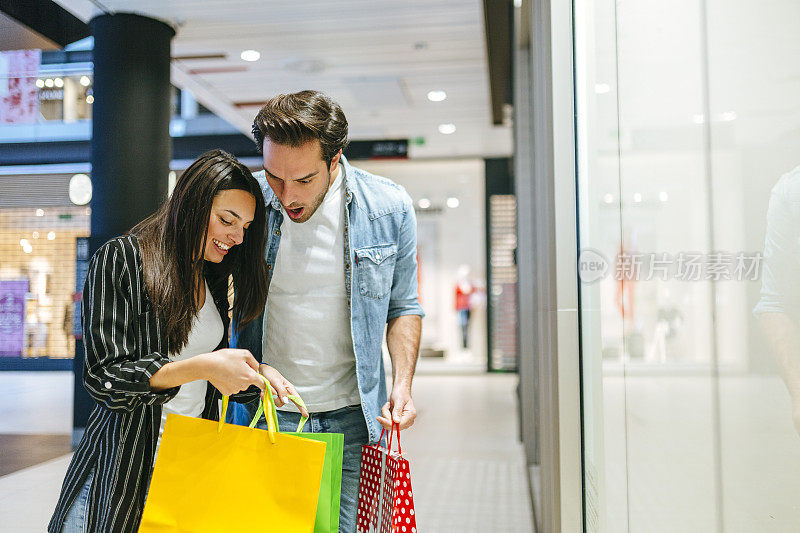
point(335, 160)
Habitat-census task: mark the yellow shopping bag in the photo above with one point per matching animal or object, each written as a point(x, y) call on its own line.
point(215, 477)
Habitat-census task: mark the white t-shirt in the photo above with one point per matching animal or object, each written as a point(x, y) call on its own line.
point(308, 335)
point(205, 336)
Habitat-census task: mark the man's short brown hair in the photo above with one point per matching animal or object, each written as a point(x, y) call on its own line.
point(297, 118)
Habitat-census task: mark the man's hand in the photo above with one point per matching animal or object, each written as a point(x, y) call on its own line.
point(399, 409)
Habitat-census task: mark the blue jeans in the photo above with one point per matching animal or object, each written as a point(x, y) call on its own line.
point(75, 521)
point(349, 421)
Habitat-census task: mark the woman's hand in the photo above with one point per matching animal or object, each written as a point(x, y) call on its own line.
point(280, 387)
point(231, 370)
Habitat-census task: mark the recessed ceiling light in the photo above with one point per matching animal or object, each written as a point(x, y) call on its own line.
point(608, 198)
point(48, 82)
point(40, 83)
point(90, 99)
point(637, 197)
point(424, 203)
point(602, 88)
point(51, 235)
point(453, 202)
point(250, 55)
point(437, 96)
point(85, 81)
point(447, 129)
point(58, 82)
point(663, 196)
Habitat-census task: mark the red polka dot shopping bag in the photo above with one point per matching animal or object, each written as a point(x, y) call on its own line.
point(385, 499)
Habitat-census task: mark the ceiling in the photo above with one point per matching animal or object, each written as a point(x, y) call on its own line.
point(377, 58)
point(16, 36)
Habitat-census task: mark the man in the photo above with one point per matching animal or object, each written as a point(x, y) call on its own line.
point(340, 270)
point(778, 308)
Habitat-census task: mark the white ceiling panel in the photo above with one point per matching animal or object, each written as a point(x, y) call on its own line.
point(378, 59)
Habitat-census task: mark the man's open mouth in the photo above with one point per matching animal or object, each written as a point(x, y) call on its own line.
point(295, 213)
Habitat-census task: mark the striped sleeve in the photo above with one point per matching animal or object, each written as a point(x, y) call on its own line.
point(116, 375)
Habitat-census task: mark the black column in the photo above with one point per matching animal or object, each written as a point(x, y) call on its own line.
point(130, 121)
point(130, 135)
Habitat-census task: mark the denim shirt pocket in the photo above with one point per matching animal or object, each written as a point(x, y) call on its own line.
point(375, 268)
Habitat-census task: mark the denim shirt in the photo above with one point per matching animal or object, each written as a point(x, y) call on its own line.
point(380, 275)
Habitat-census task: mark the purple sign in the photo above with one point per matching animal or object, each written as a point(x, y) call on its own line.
point(12, 317)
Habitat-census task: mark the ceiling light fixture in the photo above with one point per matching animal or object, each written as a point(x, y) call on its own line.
point(40, 83)
point(437, 96)
point(85, 81)
point(602, 88)
point(447, 129)
point(424, 203)
point(80, 189)
point(250, 55)
point(453, 202)
point(58, 82)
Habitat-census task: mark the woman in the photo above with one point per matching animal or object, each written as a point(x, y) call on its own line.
point(155, 326)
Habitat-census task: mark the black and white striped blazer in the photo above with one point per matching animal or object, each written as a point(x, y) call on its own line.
point(124, 348)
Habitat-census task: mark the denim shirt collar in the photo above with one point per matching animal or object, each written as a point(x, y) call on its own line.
point(349, 185)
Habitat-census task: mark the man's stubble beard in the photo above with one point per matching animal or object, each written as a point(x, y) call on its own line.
point(318, 199)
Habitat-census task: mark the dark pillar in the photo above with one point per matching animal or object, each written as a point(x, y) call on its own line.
point(130, 134)
point(130, 121)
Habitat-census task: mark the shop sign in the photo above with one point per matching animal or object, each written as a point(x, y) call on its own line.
point(12, 317)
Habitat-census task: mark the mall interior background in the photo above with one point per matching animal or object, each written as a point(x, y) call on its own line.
point(652, 397)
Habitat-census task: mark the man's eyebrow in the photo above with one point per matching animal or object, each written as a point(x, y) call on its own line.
point(273, 176)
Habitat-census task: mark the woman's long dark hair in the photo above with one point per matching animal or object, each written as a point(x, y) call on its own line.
point(173, 241)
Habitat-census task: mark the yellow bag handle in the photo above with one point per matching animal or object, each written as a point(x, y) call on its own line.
point(267, 407)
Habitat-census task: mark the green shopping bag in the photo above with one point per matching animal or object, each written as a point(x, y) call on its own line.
point(330, 490)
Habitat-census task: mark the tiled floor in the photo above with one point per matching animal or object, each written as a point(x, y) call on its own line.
point(466, 464)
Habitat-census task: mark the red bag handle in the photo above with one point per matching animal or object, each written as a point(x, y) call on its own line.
point(389, 447)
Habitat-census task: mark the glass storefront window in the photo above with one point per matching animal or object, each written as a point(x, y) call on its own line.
point(65, 98)
point(37, 262)
point(689, 215)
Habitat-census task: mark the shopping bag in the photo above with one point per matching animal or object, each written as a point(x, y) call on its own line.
point(215, 477)
point(385, 498)
point(330, 490)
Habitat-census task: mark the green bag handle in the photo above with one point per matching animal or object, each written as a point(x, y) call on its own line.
point(266, 407)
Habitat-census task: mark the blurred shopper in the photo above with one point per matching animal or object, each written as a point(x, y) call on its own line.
point(341, 270)
point(779, 306)
point(155, 324)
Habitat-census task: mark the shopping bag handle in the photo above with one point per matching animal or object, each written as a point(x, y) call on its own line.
point(389, 447)
point(266, 407)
